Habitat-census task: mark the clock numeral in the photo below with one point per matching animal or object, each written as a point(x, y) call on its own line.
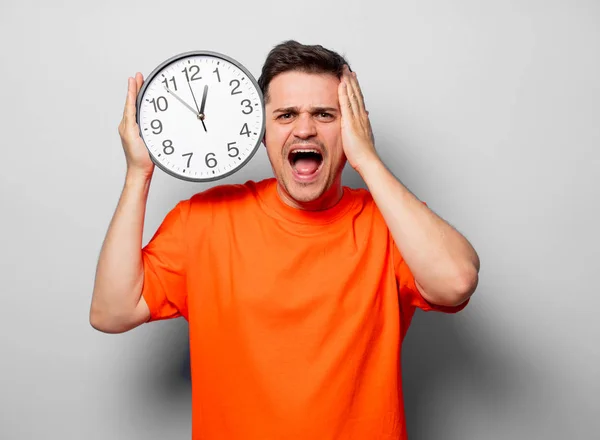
point(157, 126)
point(189, 158)
point(160, 104)
point(168, 146)
point(193, 77)
point(217, 72)
point(245, 130)
point(233, 91)
point(211, 162)
point(247, 106)
point(231, 149)
point(166, 82)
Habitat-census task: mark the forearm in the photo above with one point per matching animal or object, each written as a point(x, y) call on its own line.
point(119, 274)
point(444, 263)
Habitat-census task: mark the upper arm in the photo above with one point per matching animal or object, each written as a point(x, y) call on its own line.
point(120, 323)
point(430, 302)
point(412, 295)
point(141, 313)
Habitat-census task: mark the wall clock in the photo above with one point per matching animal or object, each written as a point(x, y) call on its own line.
point(201, 115)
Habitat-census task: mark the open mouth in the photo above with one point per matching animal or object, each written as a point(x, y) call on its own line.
point(305, 162)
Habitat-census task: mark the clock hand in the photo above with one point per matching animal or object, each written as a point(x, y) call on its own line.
point(202, 114)
point(182, 101)
point(193, 96)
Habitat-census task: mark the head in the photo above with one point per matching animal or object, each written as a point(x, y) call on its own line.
point(303, 130)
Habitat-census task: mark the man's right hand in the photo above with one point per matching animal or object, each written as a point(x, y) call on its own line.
point(138, 159)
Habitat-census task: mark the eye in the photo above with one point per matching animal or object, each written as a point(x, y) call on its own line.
point(325, 115)
point(284, 116)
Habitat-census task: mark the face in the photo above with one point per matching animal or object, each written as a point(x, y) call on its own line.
point(303, 138)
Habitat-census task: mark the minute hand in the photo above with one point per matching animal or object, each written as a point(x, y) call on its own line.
point(182, 101)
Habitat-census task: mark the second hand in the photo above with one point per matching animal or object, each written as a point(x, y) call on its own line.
point(194, 97)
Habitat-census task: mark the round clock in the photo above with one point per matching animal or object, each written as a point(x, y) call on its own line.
point(201, 115)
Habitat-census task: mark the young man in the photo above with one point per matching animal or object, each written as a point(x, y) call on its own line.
point(298, 291)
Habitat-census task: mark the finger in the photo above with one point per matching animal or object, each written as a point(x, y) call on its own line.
point(345, 105)
point(139, 79)
point(129, 110)
point(357, 92)
point(352, 93)
point(358, 103)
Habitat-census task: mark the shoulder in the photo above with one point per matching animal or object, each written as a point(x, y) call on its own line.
point(363, 212)
point(230, 195)
point(366, 208)
point(362, 200)
point(364, 197)
point(360, 194)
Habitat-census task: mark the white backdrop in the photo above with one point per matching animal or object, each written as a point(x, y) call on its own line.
point(488, 111)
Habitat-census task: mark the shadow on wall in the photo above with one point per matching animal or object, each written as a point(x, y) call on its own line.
point(460, 384)
point(439, 368)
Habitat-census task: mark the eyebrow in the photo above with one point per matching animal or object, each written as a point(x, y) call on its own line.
point(312, 109)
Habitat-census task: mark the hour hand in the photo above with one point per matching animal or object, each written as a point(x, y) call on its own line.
point(182, 101)
point(202, 114)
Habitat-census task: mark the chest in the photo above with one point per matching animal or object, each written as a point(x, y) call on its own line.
point(269, 273)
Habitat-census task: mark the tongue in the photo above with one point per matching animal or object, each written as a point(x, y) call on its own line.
point(306, 166)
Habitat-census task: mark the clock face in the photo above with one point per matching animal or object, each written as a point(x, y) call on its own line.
point(201, 115)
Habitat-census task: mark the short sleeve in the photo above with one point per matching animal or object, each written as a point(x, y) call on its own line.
point(410, 297)
point(164, 260)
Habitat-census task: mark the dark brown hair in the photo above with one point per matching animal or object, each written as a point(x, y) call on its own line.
point(291, 55)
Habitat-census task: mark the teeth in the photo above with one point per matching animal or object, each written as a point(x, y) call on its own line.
point(305, 151)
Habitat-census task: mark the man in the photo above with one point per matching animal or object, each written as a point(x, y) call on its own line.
point(298, 291)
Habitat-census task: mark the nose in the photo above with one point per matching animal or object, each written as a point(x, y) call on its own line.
point(305, 126)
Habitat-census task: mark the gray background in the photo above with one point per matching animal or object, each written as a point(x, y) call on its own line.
point(489, 111)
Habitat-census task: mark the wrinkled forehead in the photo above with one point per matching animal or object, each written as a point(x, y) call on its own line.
point(300, 89)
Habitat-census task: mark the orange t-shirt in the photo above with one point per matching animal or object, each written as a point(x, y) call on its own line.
point(296, 318)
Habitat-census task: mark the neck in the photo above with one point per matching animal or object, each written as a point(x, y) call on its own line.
point(327, 200)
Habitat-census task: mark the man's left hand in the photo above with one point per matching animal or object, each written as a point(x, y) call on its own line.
point(357, 135)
